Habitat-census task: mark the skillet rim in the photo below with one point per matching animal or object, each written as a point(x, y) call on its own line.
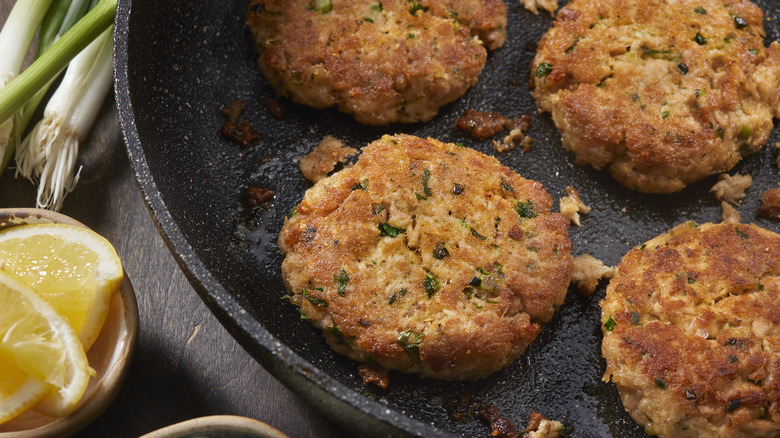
point(326, 394)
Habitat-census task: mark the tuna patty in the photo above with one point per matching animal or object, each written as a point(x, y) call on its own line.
point(691, 326)
point(427, 258)
point(382, 62)
point(661, 92)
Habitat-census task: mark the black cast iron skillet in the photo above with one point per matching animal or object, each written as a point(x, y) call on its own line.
point(179, 62)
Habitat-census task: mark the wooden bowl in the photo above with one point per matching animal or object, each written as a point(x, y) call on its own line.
point(110, 354)
point(218, 426)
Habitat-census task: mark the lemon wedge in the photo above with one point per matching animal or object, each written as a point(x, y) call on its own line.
point(40, 353)
point(72, 268)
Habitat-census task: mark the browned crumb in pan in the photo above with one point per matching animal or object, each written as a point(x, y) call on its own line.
point(770, 204)
point(242, 132)
point(323, 159)
point(587, 272)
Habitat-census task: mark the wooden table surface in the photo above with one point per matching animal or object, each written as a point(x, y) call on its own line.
point(186, 365)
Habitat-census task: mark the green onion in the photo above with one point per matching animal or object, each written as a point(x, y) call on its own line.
point(363, 185)
point(417, 7)
point(314, 300)
point(17, 35)
point(431, 285)
point(50, 152)
point(389, 230)
point(323, 6)
point(15, 39)
point(476, 234)
point(425, 179)
point(544, 69)
point(54, 60)
point(62, 15)
point(525, 209)
point(341, 279)
point(410, 342)
point(506, 186)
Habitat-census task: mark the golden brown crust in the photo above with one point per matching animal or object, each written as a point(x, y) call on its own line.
point(433, 283)
point(394, 61)
point(691, 327)
point(663, 93)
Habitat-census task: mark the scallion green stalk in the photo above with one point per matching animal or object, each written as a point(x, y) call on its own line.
point(50, 28)
point(17, 35)
point(15, 39)
point(54, 60)
point(50, 152)
point(62, 15)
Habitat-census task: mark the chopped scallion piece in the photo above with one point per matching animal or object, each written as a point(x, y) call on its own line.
point(389, 230)
point(410, 342)
point(476, 234)
point(431, 285)
point(526, 209)
point(416, 6)
point(544, 69)
point(314, 300)
point(323, 6)
point(341, 279)
point(425, 179)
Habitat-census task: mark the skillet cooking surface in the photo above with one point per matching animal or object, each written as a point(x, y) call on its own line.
point(178, 63)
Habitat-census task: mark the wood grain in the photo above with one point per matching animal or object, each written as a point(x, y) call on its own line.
point(186, 364)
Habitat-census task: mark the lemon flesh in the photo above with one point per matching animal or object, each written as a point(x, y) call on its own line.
point(72, 268)
point(40, 353)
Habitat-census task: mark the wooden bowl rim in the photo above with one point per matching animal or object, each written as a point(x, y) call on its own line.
point(217, 423)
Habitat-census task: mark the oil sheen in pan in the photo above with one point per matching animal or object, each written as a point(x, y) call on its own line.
point(184, 61)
